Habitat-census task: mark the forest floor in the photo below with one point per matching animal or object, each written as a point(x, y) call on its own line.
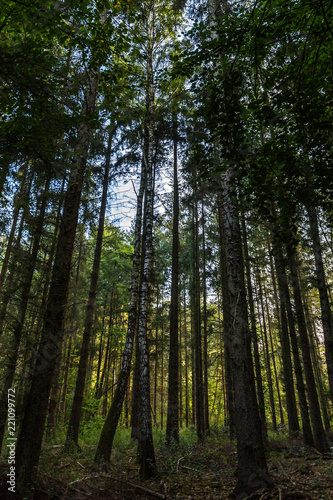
point(191, 471)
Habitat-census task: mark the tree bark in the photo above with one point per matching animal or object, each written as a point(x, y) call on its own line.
point(135, 403)
point(105, 443)
point(252, 472)
point(146, 453)
point(316, 365)
point(326, 314)
point(273, 348)
point(75, 416)
point(31, 434)
point(172, 427)
point(187, 409)
point(306, 426)
point(205, 329)
point(286, 355)
point(199, 393)
point(260, 391)
point(230, 396)
point(27, 272)
point(17, 207)
point(320, 440)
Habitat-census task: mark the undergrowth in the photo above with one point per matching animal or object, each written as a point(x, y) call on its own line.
point(188, 470)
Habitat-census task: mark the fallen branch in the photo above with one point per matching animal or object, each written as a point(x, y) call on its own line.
point(178, 462)
point(190, 468)
point(83, 479)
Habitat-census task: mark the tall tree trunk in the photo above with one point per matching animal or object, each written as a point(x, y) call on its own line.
point(100, 354)
point(319, 435)
point(326, 314)
point(260, 391)
point(285, 346)
point(263, 330)
point(306, 426)
point(156, 361)
point(105, 443)
point(74, 421)
point(54, 400)
point(187, 409)
point(273, 348)
point(193, 388)
point(13, 266)
point(316, 366)
point(104, 447)
point(65, 381)
point(180, 381)
point(230, 396)
point(172, 427)
point(18, 328)
point(252, 472)
point(199, 393)
point(205, 329)
point(162, 375)
point(223, 382)
point(32, 429)
point(268, 362)
point(17, 207)
point(135, 403)
point(146, 454)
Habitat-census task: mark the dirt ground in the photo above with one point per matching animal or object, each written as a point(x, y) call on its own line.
point(205, 472)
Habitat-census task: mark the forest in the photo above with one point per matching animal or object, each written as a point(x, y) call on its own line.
point(166, 265)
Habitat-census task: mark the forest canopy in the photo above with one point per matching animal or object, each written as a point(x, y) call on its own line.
point(166, 245)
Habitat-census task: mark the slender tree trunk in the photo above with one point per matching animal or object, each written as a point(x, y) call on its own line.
point(252, 472)
point(32, 429)
point(186, 364)
point(317, 367)
point(162, 375)
point(54, 401)
point(326, 314)
point(13, 266)
point(266, 350)
point(105, 369)
point(180, 370)
point(199, 389)
point(320, 440)
point(146, 454)
point(65, 381)
point(223, 384)
point(271, 333)
point(17, 207)
point(100, 354)
point(50, 260)
point(226, 330)
point(260, 391)
point(306, 426)
point(156, 363)
point(268, 372)
point(18, 328)
point(193, 391)
point(104, 447)
point(135, 425)
point(286, 355)
point(172, 427)
point(128, 403)
point(74, 421)
point(285, 299)
point(205, 329)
